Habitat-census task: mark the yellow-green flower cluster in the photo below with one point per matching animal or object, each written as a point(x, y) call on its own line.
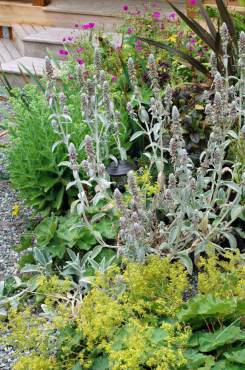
point(225, 278)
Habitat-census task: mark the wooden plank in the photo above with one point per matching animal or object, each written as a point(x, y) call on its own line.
point(29, 29)
point(40, 2)
point(9, 45)
point(6, 56)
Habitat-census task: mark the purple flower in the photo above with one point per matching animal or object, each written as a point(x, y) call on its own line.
point(200, 53)
point(64, 39)
point(88, 26)
point(172, 17)
point(63, 52)
point(70, 38)
point(114, 78)
point(80, 50)
point(154, 5)
point(138, 45)
point(193, 41)
point(156, 15)
point(192, 2)
point(125, 7)
point(80, 61)
point(130, 30)
point(77, 25)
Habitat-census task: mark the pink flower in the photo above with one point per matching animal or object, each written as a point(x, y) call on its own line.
point(114, 78)
point(80, 50)
point(63, 52)
point(172, 17)
point(138, 45)
point(192, 2)
point(70, 38)
point(88, 26)
point(193, 41)
point(125, 7)
point(130, 30)
point(156, 15)
point(80, 61)
point(64, 39)
point(200, 53)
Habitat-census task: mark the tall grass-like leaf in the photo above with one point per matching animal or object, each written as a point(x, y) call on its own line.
point(197, 28)
point(33, 76)
point(188, 58)
point(226, 18)
point(207, 19)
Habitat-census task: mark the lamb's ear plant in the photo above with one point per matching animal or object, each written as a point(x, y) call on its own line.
point(198, 203)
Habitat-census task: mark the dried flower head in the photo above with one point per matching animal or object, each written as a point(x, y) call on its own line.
point(49, 68)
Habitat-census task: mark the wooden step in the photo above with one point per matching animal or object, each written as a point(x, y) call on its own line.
point(15, 70)
point(51, 40)
point(8, 51)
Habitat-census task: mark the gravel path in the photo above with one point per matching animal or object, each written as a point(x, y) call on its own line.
point(12, 225)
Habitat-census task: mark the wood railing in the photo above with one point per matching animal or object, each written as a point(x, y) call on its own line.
point(40, 2)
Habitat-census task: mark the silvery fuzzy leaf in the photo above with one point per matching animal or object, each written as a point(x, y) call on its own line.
point(232, 186)
point(40, 257)
point(114, 159)
point(97, 217)
point(143, 115)
point(236, 211)
point(97, 198)
point(3, 312)
point(173, 234)
point(136, 135)
point(77, 225)
point(157, 146)
point(72, 254)
point(232, 134)
point(2, 283)
point(84, 182)
point(231, 238)
point(73, 205)
point(164, 245)
point(18, 283)
point(186, 261)
point(80, 208)
point(14, 303)
point(148, 155)
point(64, 163)
point(96, 251)
point(47, 311)
point(123, 154)
point(66, 117)
point(104, 184)
point(31, 268)
point(70, 184)
point(56, 144)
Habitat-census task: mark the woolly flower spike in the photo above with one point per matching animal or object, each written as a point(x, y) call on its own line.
point(175, 114)
point(62, 98)
point(49, 68)
point(218, 105)
point(219, 82)
point(72, 153)
point(233, 110)
point(153, 74)
point(242, 43)
point(97, 60)
point(213, 62)
point(168, 96)
point(132, 184)
point(119, 201)
point(130, 110)
point(88, 142)
point(79, 70)
point(132, 72)
point(224, 33)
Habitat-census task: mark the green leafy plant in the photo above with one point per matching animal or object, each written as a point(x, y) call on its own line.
point(33, 165)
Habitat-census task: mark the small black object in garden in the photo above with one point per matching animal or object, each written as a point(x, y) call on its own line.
point(118, 174)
